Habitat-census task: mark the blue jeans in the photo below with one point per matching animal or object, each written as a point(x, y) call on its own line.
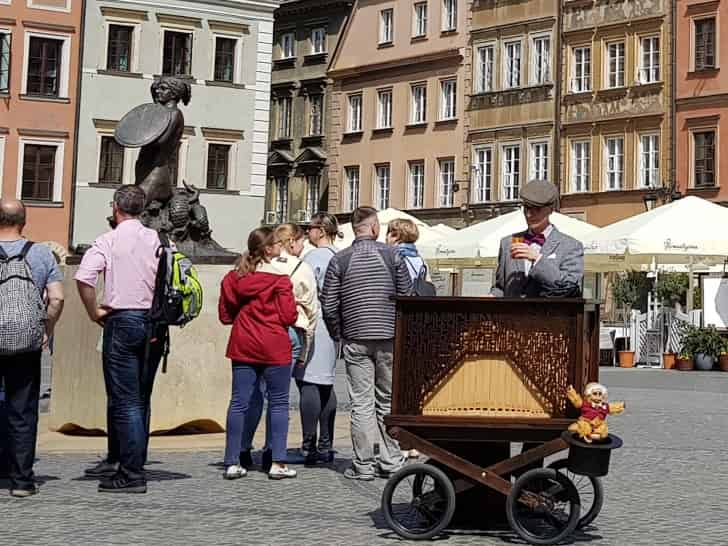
point(246, 381)
point(255, 410)
point(129, 381)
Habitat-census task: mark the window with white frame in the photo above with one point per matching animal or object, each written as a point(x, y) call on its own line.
point(580, 165)
point(41, 170)
point(352, 187)
point(288, 45)
point(614, 163)
point(285, 106)
point(318, 41)
point(649, 60)
point(111, 161)
point(225, 53)
point(650, 160)
point(539, 160)
point(384, 109)
point(177, 53)
point(4, 61)
point(119, 47)
point(704, 44)
point(419, 103)
point(580, 69)
point(511, 175)
point(218, 166)
point(448, 101)
point(386, 26)
point(541, 59)
point(483, 167)
point(383, 181)
point(449, 15)
point(419, 20)
point(615, 64)
point(447, 182)
point(281, 199)
point(45, 66)
point(315, 115)
point(313, 195)
point(417, 184)
point(484, 68)
point(512, 64)
point(354, 113)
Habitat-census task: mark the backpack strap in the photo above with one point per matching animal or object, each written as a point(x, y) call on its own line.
point(26, 249)
point(3, 256)
point(295, 268)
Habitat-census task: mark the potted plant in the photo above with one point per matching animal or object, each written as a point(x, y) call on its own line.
point(704, 345)
point(685, 360)
point(723, 357)
point(627, 290)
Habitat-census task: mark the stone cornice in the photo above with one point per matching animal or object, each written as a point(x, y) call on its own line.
point(227, 26)
point(38, 25)
point(446, 54)
point(124, 13)
point(179, 20)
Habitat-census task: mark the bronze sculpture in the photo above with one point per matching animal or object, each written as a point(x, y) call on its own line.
point(157, 129)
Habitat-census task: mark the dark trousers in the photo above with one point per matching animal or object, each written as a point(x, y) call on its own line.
point(318, 412)
point(246, 381)
point(21, 377)
point(129, 378)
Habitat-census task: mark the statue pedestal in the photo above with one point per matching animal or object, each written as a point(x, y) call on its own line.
point(194, 391)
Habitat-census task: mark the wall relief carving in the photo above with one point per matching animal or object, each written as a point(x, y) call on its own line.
point(609, 12)
point(511, 97)
point(623, 106)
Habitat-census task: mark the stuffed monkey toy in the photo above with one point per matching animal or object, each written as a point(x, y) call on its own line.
point(592, 423)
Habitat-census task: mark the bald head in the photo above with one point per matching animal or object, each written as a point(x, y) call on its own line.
point(12, 213)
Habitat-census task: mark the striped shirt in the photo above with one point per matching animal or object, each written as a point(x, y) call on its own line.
point(356, 303)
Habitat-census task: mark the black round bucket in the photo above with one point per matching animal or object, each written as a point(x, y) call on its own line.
point(590, 459)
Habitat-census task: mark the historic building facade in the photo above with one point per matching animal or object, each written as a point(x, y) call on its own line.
point(398, 108)
point(39, 81)
point(616, 129)
point(702, 98)
point(306, 33)
point(512, 89)
point(224, 52)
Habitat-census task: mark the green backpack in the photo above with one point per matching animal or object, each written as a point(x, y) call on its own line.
point(177, 291)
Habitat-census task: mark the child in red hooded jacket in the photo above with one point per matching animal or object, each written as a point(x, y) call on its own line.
point(258, 301)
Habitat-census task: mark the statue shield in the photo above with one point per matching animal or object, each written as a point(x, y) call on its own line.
point(142, 125)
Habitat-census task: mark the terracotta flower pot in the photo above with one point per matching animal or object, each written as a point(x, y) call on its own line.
point(668, 360)
point(626, 359)
point(684, 364)
point(723, 362)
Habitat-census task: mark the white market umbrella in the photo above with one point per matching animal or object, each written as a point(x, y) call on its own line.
point(686, 231)
point(482, 241)
point(428, 234)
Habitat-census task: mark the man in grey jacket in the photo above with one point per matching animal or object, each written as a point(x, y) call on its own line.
point(540, 262)
point(358, 310)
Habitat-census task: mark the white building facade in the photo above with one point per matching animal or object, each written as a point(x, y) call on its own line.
point(223, 48)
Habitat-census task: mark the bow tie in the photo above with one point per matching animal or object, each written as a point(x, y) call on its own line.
point(538, 238)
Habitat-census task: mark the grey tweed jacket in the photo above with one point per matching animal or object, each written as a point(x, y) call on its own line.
point(559, 272)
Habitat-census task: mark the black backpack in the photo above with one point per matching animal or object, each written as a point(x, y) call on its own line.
point(420, 285)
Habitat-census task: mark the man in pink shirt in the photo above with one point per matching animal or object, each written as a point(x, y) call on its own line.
point(132, 348)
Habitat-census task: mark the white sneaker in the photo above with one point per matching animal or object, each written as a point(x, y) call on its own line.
point(278, 472)
point(234, 471)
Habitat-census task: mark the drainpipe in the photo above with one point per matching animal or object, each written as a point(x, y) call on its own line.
point(673, 102)
point(74, 169)
point(557, 102)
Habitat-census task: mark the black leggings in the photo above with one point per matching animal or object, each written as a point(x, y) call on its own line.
point(318, 410)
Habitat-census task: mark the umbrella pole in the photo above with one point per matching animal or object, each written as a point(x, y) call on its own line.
point(691, 285)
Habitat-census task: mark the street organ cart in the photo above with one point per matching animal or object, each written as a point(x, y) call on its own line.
point(473, 375)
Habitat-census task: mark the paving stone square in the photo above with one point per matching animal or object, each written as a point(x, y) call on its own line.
point(667, 486)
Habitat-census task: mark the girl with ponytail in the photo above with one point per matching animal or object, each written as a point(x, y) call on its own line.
point(257, 300)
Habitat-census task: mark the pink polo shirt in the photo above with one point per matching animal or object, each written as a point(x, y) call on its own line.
point(127, 257)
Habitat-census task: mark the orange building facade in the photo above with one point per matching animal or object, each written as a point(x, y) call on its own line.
point(39, 52)
point(702, 98)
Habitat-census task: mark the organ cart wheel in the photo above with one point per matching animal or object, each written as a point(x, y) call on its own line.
point(591, 492)
point(543, 506)
point(418, 501)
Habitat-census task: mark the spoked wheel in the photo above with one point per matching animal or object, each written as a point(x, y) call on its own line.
point(543, 507)
point(418, 502)
point(591, 492)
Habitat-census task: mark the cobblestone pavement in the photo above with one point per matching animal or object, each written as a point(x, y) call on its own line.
point(667, 486)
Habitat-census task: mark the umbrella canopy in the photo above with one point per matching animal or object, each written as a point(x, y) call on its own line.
point(482, 241)
point(427, 234)
point(685, 231)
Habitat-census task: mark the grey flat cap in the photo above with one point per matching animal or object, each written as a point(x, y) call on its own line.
point(539, 193)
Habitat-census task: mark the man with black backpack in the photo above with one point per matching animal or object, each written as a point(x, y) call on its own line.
point(128, 258)
point(358, 309)
point(31, 302)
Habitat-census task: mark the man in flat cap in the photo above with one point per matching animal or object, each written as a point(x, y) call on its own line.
point(541, 261)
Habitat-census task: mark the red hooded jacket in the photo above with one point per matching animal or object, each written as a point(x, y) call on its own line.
point(261, 307)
